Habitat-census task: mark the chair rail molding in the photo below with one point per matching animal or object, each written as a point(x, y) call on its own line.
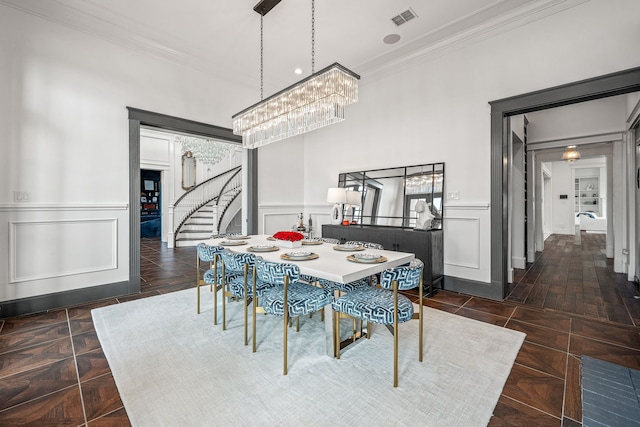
point(44, 207)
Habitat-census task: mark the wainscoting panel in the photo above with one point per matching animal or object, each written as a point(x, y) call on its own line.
point(467, 241)
point(155, 149)
point(463, 249)
point(47, 249)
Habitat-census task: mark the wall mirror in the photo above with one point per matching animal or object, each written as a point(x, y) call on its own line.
point(389, 197)
point(188, 171)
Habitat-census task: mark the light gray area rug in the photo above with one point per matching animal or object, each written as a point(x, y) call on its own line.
point(173, 367)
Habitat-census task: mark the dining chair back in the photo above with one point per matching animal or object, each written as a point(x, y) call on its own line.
point(238, 274)
point(208, 253)
point(368, 245)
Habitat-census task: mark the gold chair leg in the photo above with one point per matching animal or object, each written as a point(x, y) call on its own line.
point(395, 333)
point(198, 280)
point(336, 335)
point(286, 319)
point(246, 310)
point(215, 293)
point(420, 320)
point(255, 303)
point(224, 299)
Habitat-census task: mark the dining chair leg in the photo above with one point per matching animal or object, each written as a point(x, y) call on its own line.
point(224, 306)
point(420, 324)
point(254, 304)
point(286, 319)
point(215, 292)
point(395, 333)
point(336, 334)
point(198, 280)
point(246, 310)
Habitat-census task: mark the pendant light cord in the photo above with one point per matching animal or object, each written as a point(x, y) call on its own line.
point(261, 58)
point(313, 36)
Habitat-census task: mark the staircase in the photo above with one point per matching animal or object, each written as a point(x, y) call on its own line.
point(198, 226)
point(206, 209)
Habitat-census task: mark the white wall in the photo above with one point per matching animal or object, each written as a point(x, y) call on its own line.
point(436, 109)
point(64, 134)
point(563, 210)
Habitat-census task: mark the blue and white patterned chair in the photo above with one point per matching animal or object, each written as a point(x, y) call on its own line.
point(384, 305)
point(289, 297)
point(238, 282)
point(368, 245)
point(212, 276)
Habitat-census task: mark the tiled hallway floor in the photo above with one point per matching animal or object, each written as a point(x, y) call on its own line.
point(53, 371)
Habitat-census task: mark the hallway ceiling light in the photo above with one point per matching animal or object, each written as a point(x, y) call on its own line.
point(310, 104)
point(571, 154)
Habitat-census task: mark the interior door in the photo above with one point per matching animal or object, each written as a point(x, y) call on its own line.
point(637, 210)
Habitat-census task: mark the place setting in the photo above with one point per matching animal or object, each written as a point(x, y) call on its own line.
point(263, 248)
point(312, 241)
point(237, 237)
point(366, 258)
point(233, 243)
point(348, 247)
point(299, 256)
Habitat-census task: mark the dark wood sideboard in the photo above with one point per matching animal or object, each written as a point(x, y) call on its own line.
point(425, 244)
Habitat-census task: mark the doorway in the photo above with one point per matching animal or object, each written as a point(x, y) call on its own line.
point(600, 87)
point(150, 204)
point(138, 118)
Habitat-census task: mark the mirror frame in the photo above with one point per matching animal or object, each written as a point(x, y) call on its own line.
point(188, 174)
point(371, 180)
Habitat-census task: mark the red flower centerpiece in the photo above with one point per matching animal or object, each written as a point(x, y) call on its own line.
point(289, 239)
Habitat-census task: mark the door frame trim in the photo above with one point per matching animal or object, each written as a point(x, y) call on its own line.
point(607, 85)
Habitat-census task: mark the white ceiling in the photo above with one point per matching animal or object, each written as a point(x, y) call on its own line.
point(222, 37)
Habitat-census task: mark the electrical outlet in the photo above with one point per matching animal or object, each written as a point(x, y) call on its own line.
point(453, 195)
point(21, 196)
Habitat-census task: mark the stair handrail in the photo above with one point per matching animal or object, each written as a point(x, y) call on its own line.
point(199, 196)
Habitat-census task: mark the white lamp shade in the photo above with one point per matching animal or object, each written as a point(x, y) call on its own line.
point(353, 198)
point(337, 195)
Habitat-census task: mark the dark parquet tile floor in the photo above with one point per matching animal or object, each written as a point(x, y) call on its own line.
point(569, 303)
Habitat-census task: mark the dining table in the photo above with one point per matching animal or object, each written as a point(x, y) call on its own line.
point(315, 258)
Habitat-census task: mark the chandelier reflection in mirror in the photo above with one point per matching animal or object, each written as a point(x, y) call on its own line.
point(424, 183)
point(312, 103)
point(206, 151)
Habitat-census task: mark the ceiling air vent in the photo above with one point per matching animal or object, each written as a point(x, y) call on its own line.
point(404, 17)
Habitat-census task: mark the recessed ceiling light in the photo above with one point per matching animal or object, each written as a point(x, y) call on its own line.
point(298, 71)
point(391, 38)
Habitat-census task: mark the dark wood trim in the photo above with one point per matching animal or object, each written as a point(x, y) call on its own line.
point(134, 205)
point(252, 192)
point(177, 124)
point(58, 300)
point(585, 90)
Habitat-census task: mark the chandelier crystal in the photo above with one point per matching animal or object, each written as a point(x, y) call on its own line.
point(310, 104)
point(206, 151)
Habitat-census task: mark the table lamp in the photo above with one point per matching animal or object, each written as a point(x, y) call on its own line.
point(338, 196)
point(353, 199)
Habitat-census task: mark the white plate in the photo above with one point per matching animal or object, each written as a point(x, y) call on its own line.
point(350, 247)
point(298, 254)
point(233, 242)
point(237, 237)
point(262, 248)
point(314, 241)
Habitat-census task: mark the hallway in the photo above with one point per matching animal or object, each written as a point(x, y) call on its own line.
point(574, 276)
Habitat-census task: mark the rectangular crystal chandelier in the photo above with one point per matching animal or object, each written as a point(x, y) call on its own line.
point(312, 103)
